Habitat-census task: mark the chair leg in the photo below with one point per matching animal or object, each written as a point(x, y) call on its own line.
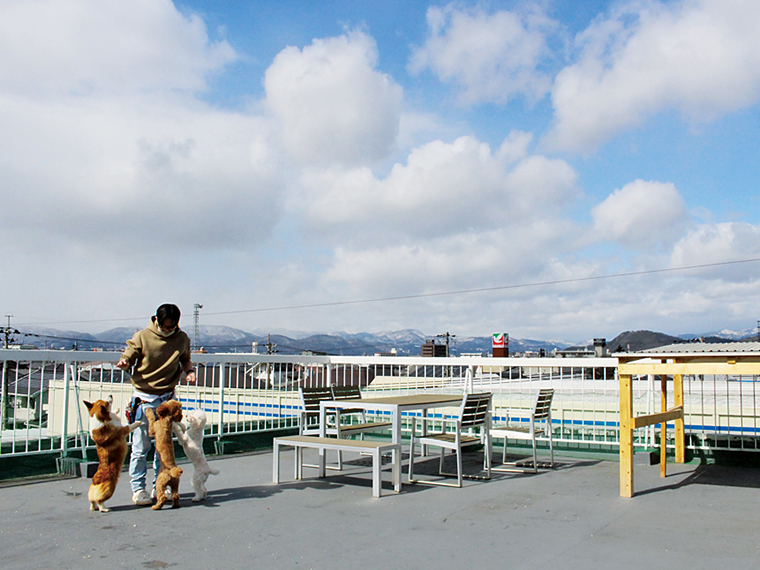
point(411, 459)
point(551, 446)
point(504, 455)
point(459, 465)
point(440, 463)
point(535, 455)
point(487, 454)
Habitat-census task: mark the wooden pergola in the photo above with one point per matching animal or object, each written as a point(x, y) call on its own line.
point(739, 358)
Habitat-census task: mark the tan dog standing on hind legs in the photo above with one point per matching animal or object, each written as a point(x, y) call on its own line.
point(191, 439)
point(161, 430)
point(111, 440)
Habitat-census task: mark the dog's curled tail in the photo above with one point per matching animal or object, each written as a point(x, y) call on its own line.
point(102, 491)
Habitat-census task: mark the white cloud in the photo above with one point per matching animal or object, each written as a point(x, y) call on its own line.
point(640, 215)
point(442, 264)
point(443, 188)
point(104, 143)
point(698, 57)
point(719, 243)
point(56, 47)
point(334, 106)
point(491, 57)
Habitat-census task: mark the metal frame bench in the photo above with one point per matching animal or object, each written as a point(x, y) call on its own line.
point(309, 424)
point(374, 448)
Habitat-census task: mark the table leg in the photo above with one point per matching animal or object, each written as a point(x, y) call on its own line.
point(377, 472)
point(396, 434)
point(397, 470)
point(276, 463)
point(322, 433)
point(424, 430)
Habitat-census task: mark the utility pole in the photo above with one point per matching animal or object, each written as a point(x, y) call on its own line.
point(270, 345)
point(448, 337)
point(270, 367)
point(4, 400)
point(8, 332)
point(196, 326)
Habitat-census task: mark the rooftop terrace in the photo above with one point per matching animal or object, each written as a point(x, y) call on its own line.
point(700, 516)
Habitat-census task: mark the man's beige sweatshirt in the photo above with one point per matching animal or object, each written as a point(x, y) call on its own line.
point(160, 359)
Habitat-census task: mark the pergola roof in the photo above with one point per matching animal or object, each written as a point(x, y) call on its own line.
point(693, 358)
point(698, 348)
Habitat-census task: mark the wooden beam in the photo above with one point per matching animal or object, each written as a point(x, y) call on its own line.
point(651, 419)
point(718, 366)
point(680, 433)
point(626, 436)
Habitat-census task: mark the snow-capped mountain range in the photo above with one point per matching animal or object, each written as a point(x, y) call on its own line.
point(219, 338)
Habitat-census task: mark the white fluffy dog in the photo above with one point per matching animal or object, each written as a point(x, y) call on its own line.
point(190, 435)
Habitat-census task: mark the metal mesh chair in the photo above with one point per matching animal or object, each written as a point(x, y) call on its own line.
point(541, 412)
point(474, 415)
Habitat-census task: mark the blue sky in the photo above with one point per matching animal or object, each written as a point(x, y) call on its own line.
point(470, 167)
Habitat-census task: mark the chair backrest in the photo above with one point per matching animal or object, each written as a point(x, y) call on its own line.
point(310, 398)
point(346, 393)
point(542, 409)
point(474, 409)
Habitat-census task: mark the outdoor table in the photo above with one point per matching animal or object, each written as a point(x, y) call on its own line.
point(395, 405)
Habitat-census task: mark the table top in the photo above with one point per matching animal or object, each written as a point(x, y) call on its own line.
point(400, 401)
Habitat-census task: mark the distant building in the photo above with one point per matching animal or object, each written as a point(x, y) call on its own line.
point(576, 352)
point(431, 348)
point(392, 352)
point(598, 350)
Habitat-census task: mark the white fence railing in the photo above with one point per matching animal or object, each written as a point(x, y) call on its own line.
point(42, 394)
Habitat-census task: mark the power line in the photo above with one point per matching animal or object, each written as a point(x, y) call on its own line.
point(448, 293)
point(75, 339)
point(486, 289)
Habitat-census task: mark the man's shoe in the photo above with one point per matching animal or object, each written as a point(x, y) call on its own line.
point(141, 497)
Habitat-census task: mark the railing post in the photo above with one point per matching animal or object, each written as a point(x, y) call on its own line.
point(663, 426)
point(222, 371)
point(4, 398)
point(65, 425)
point(650, 430)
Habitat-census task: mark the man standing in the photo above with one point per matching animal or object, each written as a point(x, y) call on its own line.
point(160, 354)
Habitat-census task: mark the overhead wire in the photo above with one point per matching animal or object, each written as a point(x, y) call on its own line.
point(446, 293)
point(486, 289)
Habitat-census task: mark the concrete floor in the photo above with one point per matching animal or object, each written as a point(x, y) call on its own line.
point(568, 517)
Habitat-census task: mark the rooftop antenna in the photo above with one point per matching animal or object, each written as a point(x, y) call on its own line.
point(196, 326)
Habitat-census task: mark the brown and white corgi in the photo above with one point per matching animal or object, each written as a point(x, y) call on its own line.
point(111, 440)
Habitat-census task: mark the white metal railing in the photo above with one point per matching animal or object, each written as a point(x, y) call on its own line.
point(42, 394)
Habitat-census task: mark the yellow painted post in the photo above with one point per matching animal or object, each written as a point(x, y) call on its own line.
point(663, 426)
point(680, 435)
point(626, 436)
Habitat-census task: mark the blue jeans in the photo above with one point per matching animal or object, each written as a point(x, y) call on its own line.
point(141, 445)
